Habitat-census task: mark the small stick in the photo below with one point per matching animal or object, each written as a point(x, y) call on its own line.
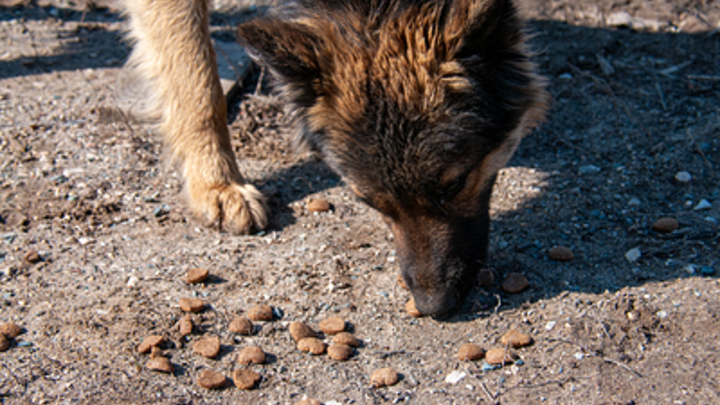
point(662, 97)
point(492, 399)
point(625, 366)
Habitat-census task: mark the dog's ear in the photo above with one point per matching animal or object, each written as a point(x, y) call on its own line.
point(290, 50)
point(482, 28)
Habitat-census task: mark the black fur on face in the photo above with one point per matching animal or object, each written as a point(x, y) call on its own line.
point(417, 104)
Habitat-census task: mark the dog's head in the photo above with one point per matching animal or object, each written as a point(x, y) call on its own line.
point(417, 104)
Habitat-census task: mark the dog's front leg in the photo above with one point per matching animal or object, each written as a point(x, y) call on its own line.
point(174, 54)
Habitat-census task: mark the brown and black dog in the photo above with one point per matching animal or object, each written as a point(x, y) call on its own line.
point(416, 103)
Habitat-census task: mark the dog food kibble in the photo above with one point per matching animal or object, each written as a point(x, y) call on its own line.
point(666, 225)
point(486, 277)
point(161, 364)
point(261, 313)
point(332, 325)
point(4, 343)
point(251, 355)
point(196, 275)
point(186, 325)
point(499, 355)
point(346, 338)
point(149, 342)
point(208, 347)
point(514, 283)
point(10, 330)
point(339, 352)
point(308, 402)
point(384, 377)
point(312, 345)
point(211, 379)
point(245, 379)
point(470, 351)
point(319, 205)
point(32, 257)
point(561, 254)
point(514, 338)
point(401, 282)
point(300, 331)
point(412, 309)
point(241, 326)
point(191, 305)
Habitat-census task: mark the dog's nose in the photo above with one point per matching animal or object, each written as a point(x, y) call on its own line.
point(437, 304)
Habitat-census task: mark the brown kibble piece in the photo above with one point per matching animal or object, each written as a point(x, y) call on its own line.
point(514, 283)
point(346, 338)
point(308, 401)
point(319, 205)
point(486, 277)
point(207, 347)
point(470, 351)
point(196, 275)
point(514, 338)
point(300, 331)
point(33, 257)
point(666, 225)
point(384, 377)
point(412, 309)
point(191, 304)
point(401, 282)
point(312, 345)
point(161, 364)
point(499, 355)
point(4, 343)
point(261, 313)
point(241, 326)
point(251, 355)
point(211, 379)
point(561, 254)
point(339, 352)
point(186, 325)
point(245, 379)
point(332, 325)
point(10, 329)
point(149, 342)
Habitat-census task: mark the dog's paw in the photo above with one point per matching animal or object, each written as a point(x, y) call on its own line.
point(238, 208)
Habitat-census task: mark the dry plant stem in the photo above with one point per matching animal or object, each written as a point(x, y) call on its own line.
point(490, 397)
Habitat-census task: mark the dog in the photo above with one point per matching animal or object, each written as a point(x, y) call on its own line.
point(417, 104)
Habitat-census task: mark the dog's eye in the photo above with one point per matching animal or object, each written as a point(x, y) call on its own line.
point(450, 190)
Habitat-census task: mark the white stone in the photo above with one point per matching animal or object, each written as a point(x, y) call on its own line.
point(455, 377)
point(683, 177)
point(633, 255)
point(703, 205)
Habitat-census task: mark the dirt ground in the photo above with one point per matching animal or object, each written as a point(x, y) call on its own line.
point(636, 96)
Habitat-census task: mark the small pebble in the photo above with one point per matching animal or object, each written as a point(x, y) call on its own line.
point(633, 255)
point(470, 351)
point(300, 331)
point(339, 352)
point(703, 205)
point(707, 271)
point(515, 283)
point(550, 325)
point(683, 177)
point(384, 377)
point(561, 254)
point(312, 345)
point(241, 326)
point(33, 257)
point(4, 343)
point(161, 364)
point(499, 355)
point(245, 379)
point(589, 169)
point(207, 347)
point(197, 275)
point(149, 342)
point(514, 338)
point(332, 325)
point(488, 367)
point(308, 401)
point(455, 377)
point(261, 313)
point(319, 205)
point(251, 355)
point(401, 282)
point(486, 277)
point(411, 309)
point(191, 304)
point(210, 379)
point(666, 225)
point(10, 329)
point(346, 338)
point(186, 325)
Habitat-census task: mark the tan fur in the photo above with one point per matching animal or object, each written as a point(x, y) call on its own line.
point(174, 54)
